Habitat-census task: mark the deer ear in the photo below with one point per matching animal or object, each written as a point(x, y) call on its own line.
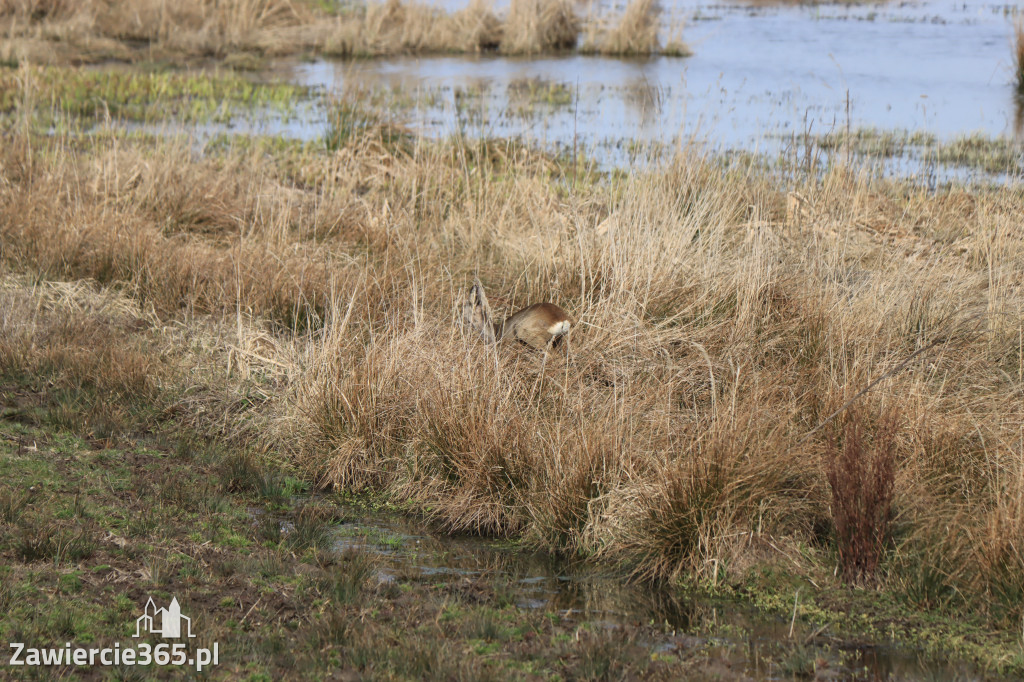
point(470, 310)
point(477, 313)
point(477, 292)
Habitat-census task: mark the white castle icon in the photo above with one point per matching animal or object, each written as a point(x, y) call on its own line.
point(169, 620)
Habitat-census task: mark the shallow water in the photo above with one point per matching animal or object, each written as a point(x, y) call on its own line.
point(403, 548)
point(760, 74)
point(762, 78)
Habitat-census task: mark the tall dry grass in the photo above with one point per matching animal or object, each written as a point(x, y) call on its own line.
point(636, 32)
point(190, 27)
point(713, 337)
point(676, 435)
point(534, 26)
point(396, 27)
point(55, 30)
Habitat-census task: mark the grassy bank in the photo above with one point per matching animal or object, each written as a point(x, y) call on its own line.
point(687, 432)
point(114, 492)
point(244, 31)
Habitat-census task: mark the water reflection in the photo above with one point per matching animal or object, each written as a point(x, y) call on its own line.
point(646, 99)
point(579, 593)
point(759, 77)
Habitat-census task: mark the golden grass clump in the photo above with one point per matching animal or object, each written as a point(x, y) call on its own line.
point(536, 26)
point(672, 434)
point(677, 432)
point(636, 32)
point(479, 27)
point(160, 200)
point(394, 27)
point(204, 25)
point(397, 27)
point(112, 368)
point(102, 28)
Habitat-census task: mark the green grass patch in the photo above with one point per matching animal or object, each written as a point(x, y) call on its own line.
point(95, 93)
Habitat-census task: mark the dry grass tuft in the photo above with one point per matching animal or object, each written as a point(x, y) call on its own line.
point(396, 27)
point(479, 26)
point(535, 26)
point(86, 347)
point(113, 368)
point(190, 27)
point(636, 33)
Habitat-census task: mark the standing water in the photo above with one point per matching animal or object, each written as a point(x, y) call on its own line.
point(761, 75)
point(723, 630)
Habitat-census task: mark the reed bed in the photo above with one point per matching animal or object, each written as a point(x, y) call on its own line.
point(684, 432)
point(243, 30)
point(103, 29)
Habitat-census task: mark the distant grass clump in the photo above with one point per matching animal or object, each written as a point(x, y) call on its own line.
point(978, 150)
point(635, 34)
point(876, 142)
point(96, 30)
point(534, 26)
point(990, 154)
point(350, 123)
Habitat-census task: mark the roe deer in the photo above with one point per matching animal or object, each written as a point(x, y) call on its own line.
point(539, 325)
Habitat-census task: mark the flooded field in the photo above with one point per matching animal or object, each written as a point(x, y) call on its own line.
point(762, 78)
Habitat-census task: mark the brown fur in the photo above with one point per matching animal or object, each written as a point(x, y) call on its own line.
point(532, 325)
point(537, 325)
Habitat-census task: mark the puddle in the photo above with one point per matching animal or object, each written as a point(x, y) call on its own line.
point(404, 550)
